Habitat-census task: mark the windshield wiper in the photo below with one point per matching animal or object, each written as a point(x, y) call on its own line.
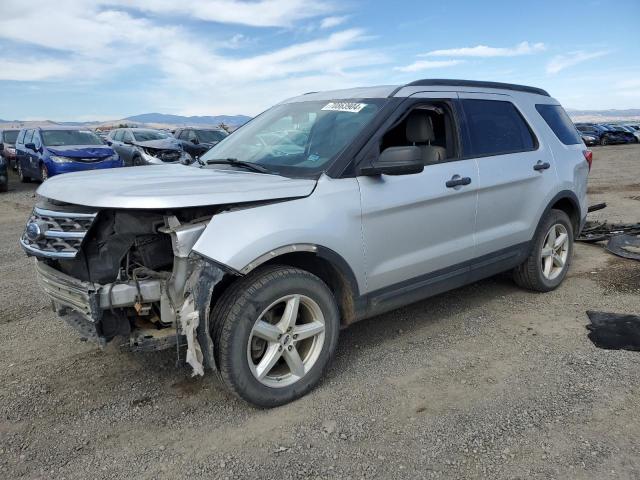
point(238, 163)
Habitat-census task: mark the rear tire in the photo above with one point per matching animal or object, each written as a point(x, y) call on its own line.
point(23, 178)
point(275, 332)
point(550, 257)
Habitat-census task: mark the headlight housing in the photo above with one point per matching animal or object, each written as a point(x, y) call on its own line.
point(58, 159)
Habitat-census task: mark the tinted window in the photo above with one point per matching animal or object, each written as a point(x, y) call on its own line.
point(495, 127)
point(10, 136)
point(210, 136)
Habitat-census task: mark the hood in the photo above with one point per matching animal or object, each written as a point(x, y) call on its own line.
point(162, 144)
point(170, 186)
point(82, 151)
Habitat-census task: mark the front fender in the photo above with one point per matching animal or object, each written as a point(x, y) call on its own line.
point(330, 217)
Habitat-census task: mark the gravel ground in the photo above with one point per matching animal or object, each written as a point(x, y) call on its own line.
point(487, 381)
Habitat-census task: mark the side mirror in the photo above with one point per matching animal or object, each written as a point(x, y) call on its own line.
point(396, 161)
point(127, 142)
point(30, 146)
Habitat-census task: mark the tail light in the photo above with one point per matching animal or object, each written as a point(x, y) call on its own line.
point(588, 156)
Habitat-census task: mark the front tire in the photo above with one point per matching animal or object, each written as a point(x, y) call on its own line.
point(23, 178)
point(604, 141)
point(275, 332)
point(548, 263)
point(44, 173)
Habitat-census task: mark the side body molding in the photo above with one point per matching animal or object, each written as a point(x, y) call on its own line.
point(330, 218)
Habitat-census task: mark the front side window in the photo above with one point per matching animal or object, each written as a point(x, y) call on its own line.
point(58, 138)
point(495, 127)
point(560, 123)
point(21, 136)
point(148, 135)
point(28, 136)
point(298, 138)
point(127, 136)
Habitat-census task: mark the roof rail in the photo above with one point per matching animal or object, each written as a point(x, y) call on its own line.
point(433, 82)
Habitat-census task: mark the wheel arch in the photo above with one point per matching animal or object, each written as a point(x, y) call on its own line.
point(566, 201)
point(327, 265)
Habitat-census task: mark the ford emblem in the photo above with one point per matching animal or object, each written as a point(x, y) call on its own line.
point(34, 232)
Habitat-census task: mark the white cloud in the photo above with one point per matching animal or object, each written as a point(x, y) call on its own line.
point(32, 70)
point(560, 62)
point(330, 22)
point(261, 13)
point(523, 48)
point(427, 65)
point(92, 43)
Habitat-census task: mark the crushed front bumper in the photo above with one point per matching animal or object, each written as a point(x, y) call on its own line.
point(88, 306)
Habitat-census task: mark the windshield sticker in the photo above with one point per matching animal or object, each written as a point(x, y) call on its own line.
point(313, 157)
point(344, 107)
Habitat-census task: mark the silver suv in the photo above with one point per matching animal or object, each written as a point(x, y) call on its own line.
point(326, 209)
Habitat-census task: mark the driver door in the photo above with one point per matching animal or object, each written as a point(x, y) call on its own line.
point(418, 230)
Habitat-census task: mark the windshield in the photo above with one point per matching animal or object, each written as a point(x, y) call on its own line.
point(146, 135)
point(298, 138)
point(210, 136)
point(58, 138)
point(10, 136)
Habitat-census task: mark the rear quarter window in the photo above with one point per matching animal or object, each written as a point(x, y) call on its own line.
point(560, 123)
point(495, 127)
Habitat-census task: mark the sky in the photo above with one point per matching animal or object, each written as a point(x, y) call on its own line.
point(87, 60)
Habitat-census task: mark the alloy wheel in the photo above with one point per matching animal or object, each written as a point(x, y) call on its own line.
point(555, 251)
point(286, 341)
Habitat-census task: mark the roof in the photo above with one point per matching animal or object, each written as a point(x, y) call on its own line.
point(385, 91)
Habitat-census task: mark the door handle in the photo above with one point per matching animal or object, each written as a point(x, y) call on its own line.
point(538, 167)
point(457, 181)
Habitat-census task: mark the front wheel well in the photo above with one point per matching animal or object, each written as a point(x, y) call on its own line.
point(335, 277)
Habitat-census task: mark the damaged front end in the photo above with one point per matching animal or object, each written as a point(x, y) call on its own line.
point(126, 273)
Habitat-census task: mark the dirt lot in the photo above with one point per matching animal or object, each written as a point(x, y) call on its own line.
point(487, 381)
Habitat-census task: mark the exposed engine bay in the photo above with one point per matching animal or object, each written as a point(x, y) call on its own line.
point(134, 275)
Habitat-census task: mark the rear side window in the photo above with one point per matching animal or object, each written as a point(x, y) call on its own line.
point(560, 123)
point(495, 127)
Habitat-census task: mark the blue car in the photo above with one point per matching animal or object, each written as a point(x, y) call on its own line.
point(44, 152)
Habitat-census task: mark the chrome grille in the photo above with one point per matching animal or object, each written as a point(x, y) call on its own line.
point(55, 234)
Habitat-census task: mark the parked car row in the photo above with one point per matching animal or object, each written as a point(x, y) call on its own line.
point(39, 153)
point(608, 134)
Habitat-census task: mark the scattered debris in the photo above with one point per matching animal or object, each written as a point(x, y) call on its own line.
point(624, 245)
point(613, 331)
point(599, 231)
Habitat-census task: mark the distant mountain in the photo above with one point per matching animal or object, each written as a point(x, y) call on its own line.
point(232, 120)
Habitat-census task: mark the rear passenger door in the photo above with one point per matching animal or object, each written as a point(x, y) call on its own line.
point(515, 168)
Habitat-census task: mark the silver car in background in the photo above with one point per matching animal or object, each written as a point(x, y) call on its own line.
point(326, 209)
